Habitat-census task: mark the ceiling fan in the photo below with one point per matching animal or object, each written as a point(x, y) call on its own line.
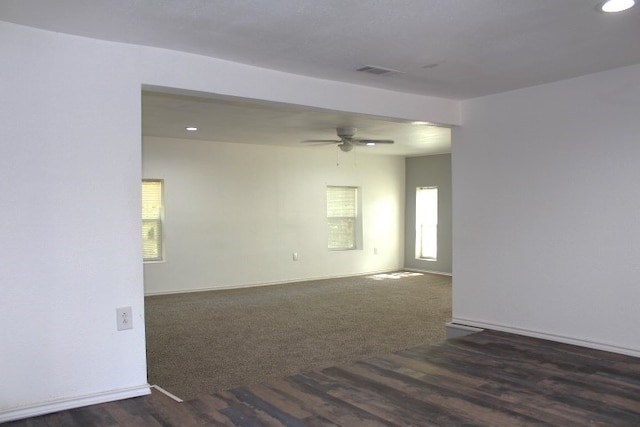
point(347, 139)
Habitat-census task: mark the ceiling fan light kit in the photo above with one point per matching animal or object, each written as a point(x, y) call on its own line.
point(345, 146)
point(348, 140)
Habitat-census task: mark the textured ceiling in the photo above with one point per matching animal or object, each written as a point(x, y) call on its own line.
point(453, 49)
point(481, 46)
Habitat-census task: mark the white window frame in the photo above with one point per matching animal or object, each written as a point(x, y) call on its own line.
point(351, 219)
point(154, 218)
point(427, 223)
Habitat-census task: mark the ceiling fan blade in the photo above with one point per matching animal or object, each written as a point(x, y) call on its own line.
point(332, 141)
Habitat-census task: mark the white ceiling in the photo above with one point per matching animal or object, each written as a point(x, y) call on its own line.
point(167, 115)
point(457, 49)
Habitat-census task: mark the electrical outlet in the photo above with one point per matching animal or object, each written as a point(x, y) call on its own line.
point(295, 256)
point(375, 251)
point(124, 318)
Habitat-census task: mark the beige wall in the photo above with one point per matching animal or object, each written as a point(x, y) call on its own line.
point(236, 213)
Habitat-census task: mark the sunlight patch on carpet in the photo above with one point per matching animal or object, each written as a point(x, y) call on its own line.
point(393, 276)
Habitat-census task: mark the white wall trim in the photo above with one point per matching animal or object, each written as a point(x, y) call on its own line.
point(256, 285)
point(551, 337)
point(35, 410)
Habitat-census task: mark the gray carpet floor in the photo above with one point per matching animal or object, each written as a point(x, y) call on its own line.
point(198, 343)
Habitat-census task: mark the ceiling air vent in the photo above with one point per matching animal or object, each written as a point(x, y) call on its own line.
point(378, 71)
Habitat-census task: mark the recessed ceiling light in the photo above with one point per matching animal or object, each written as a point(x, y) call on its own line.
point(420, 123)
point(191, 128)
point(611, 6)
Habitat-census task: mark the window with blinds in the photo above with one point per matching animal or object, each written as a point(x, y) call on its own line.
point(342, 218)
point(152, 211)
point(427, 223)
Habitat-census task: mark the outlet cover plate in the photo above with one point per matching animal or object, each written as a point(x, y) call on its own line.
point(124, 318)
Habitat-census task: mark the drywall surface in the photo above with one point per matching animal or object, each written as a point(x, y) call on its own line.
point(545, 211)
point(70, 159)
point(70, 165)
point(236, 213)
point(429, 171)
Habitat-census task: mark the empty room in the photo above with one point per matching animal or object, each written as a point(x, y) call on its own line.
point(250, 198)
point(539, 105)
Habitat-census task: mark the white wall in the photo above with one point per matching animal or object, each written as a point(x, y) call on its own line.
point(70, 168)
point(235, 213)
point(546, 211)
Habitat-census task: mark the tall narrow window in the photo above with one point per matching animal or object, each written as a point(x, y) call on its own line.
point(152, 220)
point(427, 223)
point(342, 218)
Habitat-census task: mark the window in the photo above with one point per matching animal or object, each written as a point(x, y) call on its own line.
point(427, 223)
point(343, 222)
point(152, 220)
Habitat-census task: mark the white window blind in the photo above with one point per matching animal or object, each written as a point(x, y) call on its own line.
point(152, 220)
point(427, 223)
point(342, 217)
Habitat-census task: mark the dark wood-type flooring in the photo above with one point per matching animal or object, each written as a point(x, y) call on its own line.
point(485, 379)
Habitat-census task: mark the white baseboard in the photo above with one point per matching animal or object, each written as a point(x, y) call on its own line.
point(612, 348)
point(49, 407)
